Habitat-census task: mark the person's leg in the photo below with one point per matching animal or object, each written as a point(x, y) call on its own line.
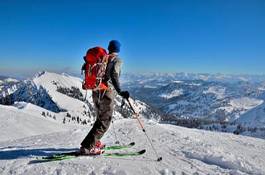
point(105, 110)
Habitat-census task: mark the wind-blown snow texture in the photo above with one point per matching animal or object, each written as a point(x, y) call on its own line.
point(184, 151)
point(24, 120)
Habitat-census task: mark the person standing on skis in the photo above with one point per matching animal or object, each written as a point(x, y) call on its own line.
point(104, 102)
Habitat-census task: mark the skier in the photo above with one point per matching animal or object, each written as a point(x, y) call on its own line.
point(104, 102)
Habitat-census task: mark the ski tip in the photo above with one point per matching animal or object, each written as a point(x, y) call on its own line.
point(132, 144)
point(142, 151)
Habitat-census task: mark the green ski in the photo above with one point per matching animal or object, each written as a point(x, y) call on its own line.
point(67, 157)
point(116, 147)
point(70, 155)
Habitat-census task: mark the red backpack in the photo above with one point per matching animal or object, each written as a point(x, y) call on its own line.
point(96, 61)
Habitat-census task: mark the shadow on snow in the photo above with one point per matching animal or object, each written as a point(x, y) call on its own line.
point(20, 153)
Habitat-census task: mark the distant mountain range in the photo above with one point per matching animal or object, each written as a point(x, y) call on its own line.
point(220, 98)
point(226, 103)
point(166, 77)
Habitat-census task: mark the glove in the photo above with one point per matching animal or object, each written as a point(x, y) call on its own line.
point(125, 94)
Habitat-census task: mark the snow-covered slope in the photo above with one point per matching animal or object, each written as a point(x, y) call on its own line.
point(51, 82)
point(219, 92)
point(23, 120)
point(184, 151)
point(62, 93)
point(174, 93)
point(254, 118)
point(56, 85)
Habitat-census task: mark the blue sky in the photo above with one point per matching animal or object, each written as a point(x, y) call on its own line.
point(207, 36)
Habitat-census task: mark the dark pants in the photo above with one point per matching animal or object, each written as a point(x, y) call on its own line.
point(104, 106)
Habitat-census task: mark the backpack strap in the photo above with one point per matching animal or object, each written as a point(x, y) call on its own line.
point(112, 57)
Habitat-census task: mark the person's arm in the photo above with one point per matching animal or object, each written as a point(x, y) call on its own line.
point(115, 74)
point(115, 79)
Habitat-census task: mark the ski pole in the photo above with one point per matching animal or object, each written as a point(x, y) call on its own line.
point(85, 96)
point(143, 129)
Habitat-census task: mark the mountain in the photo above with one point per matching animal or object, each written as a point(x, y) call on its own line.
point(48, 114)
point(254, 118)
point(31, 93)
point(204, 101)
point(201, 99)
point(62, 93)
point(154, 79)
point(7, 86)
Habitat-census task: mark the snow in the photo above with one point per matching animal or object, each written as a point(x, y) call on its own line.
point(174, 93)
point(243, 78)
point(50, 81)
point(26, 135)
point(254, 117)
point(11, 80)
point(184, 151)
point(149, 86)
point(261, 88)
point(219, 92)
point(16, 123)
point(190, 84)
point(245, 102)
point(228, 109)
point(241, 105)
point(193, 84)
point(203, 77)
point(37, 111)
point(177, 81)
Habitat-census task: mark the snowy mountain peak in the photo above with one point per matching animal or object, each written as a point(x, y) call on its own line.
point(40, 74)
point(63, 93)
point(255, 117)
point(11, 80)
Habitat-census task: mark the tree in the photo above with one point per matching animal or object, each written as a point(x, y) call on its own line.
point(43, 114)
point(68, 115)
point(84, 122)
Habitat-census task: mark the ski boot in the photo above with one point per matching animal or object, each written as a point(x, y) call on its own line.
point(100, 145)
point(92, 151)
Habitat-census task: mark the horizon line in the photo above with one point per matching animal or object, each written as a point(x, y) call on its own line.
point(73, 73)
